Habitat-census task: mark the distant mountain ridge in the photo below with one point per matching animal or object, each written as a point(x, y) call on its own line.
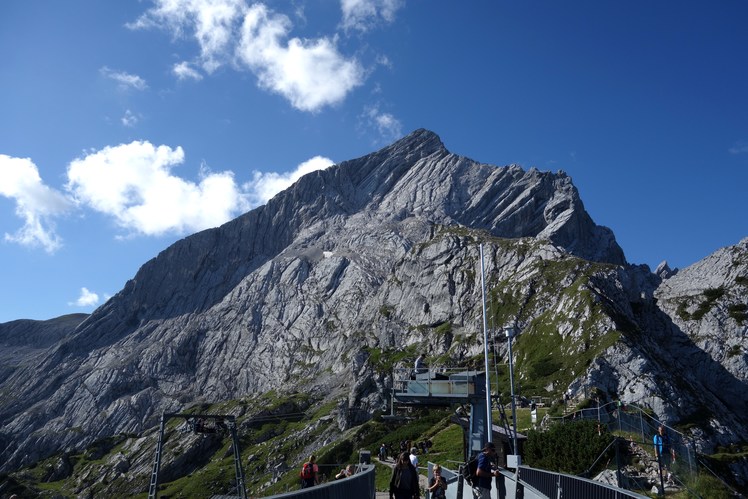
point(378, 253)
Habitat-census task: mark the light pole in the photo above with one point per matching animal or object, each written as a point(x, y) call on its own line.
point(510, 333)
point(489, 419)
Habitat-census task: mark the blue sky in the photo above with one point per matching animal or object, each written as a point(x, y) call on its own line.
point(127, 125)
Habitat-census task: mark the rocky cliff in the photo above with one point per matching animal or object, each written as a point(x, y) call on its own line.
point(371, 256)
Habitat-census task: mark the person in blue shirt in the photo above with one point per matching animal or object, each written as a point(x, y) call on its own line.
point(663, 448)
point(485, 472)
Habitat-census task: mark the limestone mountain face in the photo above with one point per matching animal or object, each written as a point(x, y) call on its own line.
point(708, 305)
point(24, 340)
point(370, 257)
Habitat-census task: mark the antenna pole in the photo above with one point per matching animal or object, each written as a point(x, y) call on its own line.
point(489, 421)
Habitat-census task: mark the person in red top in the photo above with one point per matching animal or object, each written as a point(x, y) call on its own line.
point(310, 473)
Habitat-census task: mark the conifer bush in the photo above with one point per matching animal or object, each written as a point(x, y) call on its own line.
point(570, 447)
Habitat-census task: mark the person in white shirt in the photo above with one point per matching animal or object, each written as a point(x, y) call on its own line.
point(414, 456)
point(420, 366)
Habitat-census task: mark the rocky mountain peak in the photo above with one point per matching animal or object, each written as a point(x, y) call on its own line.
point(372, 254)
point(663, 270)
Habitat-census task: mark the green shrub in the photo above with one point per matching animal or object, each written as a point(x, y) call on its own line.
point(738, 311)
point(570, 447)
point(713, 294)
point(704, 485)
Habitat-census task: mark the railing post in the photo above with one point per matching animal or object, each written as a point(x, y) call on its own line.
point(460, 481)
point(619, 477)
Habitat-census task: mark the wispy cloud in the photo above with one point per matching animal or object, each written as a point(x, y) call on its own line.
point(309, 73)
point(125, 80)
point(185, 71)
point(211, 22)
point(86, 299)
point(35, 203)
point(129, 119)
point(363, 15)
point(266, 185)
point(386, 126)
point(740, 147)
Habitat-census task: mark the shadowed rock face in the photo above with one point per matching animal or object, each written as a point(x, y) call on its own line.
point(363, 254)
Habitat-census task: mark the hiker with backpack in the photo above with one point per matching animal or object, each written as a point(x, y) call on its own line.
point(485, 472)
point(309, 473)
point(404, 481)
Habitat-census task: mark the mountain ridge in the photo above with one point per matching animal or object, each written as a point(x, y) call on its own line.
point(374, 253)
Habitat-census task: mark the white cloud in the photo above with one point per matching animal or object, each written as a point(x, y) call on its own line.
point(184, 71)
point(129, 119)
point(133, 184)
point(309, 73)
point(125, 80)
point(387, 126)
point(37, 204)
point(266, 185)
point(86, 299)
point(212, 22)
point(363, 15)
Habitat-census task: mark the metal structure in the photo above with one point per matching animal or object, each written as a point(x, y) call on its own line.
point(510, 334)
point(199, 423)
point(360, 485)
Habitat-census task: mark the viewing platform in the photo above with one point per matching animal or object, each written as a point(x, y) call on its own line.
point(437, 387)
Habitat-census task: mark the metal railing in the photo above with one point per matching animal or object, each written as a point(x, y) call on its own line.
point(631, 420)
point(435, 382)
point(360, 485)
point(560, 485)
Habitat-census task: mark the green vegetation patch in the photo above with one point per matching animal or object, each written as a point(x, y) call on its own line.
point(568, 447)
point(738, 311)
point(711, 295)
point(384, 361)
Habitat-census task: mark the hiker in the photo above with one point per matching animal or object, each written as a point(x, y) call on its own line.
point(383, 452)
point(345, 472)
point(664, 451)
point(486, 472)
point(309, 473)
point(414, 457)
point(404, 481)
point(437, 484)
point(420, 366)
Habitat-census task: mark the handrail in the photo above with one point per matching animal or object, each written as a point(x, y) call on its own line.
point(361, 484)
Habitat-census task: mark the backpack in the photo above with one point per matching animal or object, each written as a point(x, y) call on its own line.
point(307, 471)
point(469, 471)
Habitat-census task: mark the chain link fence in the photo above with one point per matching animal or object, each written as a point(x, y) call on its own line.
point(639, 427)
